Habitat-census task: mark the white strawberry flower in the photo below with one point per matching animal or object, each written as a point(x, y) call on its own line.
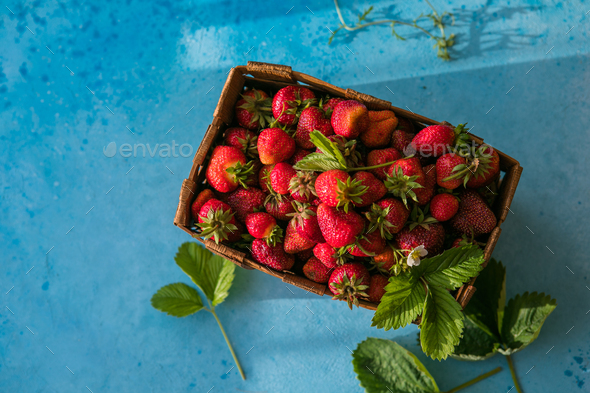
point(415, 255)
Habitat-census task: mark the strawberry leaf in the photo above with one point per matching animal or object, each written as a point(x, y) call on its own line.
point(454, 267)
point(178, 300)
point(327, 147)
point(476, 344)
point(317, 162)
point(402, 302)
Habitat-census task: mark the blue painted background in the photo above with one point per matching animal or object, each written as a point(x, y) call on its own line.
point(86, 239)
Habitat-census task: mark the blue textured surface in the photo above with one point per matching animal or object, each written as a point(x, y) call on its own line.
point(87, 239)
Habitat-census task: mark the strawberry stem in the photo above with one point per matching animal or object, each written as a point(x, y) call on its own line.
point(228, 343)
point(364, 168)
point(513, 373)
point(475, 380)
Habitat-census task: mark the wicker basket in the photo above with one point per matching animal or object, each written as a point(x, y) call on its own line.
point(272, 77)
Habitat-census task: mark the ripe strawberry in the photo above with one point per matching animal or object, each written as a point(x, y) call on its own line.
point(227, 169)
point(426, 193)
point(405, 176)
point(311, 119)
point(404, 124)
point(339, 228)
point(264, 177)
point(378, 157)
point(294, 242)
point(436, 140)
point(216, 220)
point(377, 288)
point(336, 188)
point(432, 238)
point(349, 282)
point(316, 271)
point(280, 177)
point(387, 217)
point(381, 126)
point(244, 201)
point(385, 261)
point(444, 206)
point(375, 188)
point(305, 221)
point(474, 216)
point(302, 186)
point(298, 155)
point(350, 119)
point(242, 139)
point(279, 206)
point(272, 256)
point(261, 225)
point(253, 110)
point(275, 145)
point(200, 200)
point(329, 256)
point(236, 234)
point(402, 141)
point(370, 244)
point(303, 256)
point(487, 165)
point(447, 166)
point(288, 103)
point(329, 106)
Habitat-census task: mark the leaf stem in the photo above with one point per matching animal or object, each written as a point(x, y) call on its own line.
point(228, 343)
point(364, 168)
point(476, 380)
point(513, 372)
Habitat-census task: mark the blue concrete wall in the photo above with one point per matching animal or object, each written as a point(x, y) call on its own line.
point(87, 239)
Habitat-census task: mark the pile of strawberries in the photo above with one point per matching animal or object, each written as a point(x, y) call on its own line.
point(394, 196)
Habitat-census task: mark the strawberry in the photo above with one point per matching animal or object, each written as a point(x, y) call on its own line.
point(288, 103)
point(385, 261)
point(329, 106)
point(336, 188)
point(375, 188)
point(350, 119)
point(242, 139)
point(305, 221)
point(245, 201)
point(378, 157)
point(404, 177)
point(253, 110)
point(329, 256)
point(387, 217)
point(272, 256)
point(236, 234)
point(311, 119)
point(402, 141)
point(349, 282)
point(339, 228)
point(200, 200)
point(404, 124)
point(316, 271)
point(302, 186)
point(487, 165)
point(426, 193)
point(216, 220)
point(262, 226)
point(432, 238)
point(447, 166)
point(280, 177)
point(381, 126)
point(474, 216)
point(370, 244)
point(303, 256)
point(377, 288)
point(444, 206)
point(264, 177)
point(294, 242)
point(227, 169)
point(275, 145)
point(279, 206)
point(436, 140)
point(298, 155)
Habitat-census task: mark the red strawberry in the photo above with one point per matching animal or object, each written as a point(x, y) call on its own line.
point(279, 206)
point(244, 201)
point(436, 140)
point(487, 165)
point(303, 256)
point(385, 261)
point(445, 168)
point(305, 221)
point(199, 201)
point(377, 288)
point(280, 177)
point(350, 119)
point(275, 145)
point(444, 206)
point(405, 176)
point(381, 126)
point(316, 271)
point(253, 109)
point(272, 256)
point(369, 244)
point(302, 186)
point(216, 220)
point(264, 177)
point(298, 155)
point(242, 139)
point(402, 141)
point(288, 103)
point(311, 119)
point(387, 216)
point(294, 242)
point(432, 238)
point(375, 188)
point(404, 124)
point(235, 235)
point(227, 169)
point(338, 227)
point(329, 256)
point(329, 106)
point(336, 188)
point(382, 156)
point(474, 216)
point(349, 282)
point(426, 193)
point(261, 225)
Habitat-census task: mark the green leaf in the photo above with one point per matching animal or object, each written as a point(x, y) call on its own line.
point(384, 366)
point(317, 162)
point(210, 272)
point(328, 147)
point(523, 318)
point(402, 303)
point(442, 323)
point(177, 299)
point(476, 344)
point(453, 267)
point(486, 307)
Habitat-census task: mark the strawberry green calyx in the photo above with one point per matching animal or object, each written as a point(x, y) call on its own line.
point(377, 216)
point(303, 184)
point(298, 105)
point(276, 236)
point(241, 172)
point(461, 136)
point(260, 107)
point(217, 225)
point(343, 255)
point(421, 217)
point(350, 290)
point(350, 191)
point(302, 212)
point(402, 186)
point(250, 145)
point(479, 163)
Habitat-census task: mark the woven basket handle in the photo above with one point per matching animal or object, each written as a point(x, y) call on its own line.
point(273, 72)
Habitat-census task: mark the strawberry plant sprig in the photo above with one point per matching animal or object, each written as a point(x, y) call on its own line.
point(493, 326)
point(442, 42)
point(212, 274)
point(384, 366)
